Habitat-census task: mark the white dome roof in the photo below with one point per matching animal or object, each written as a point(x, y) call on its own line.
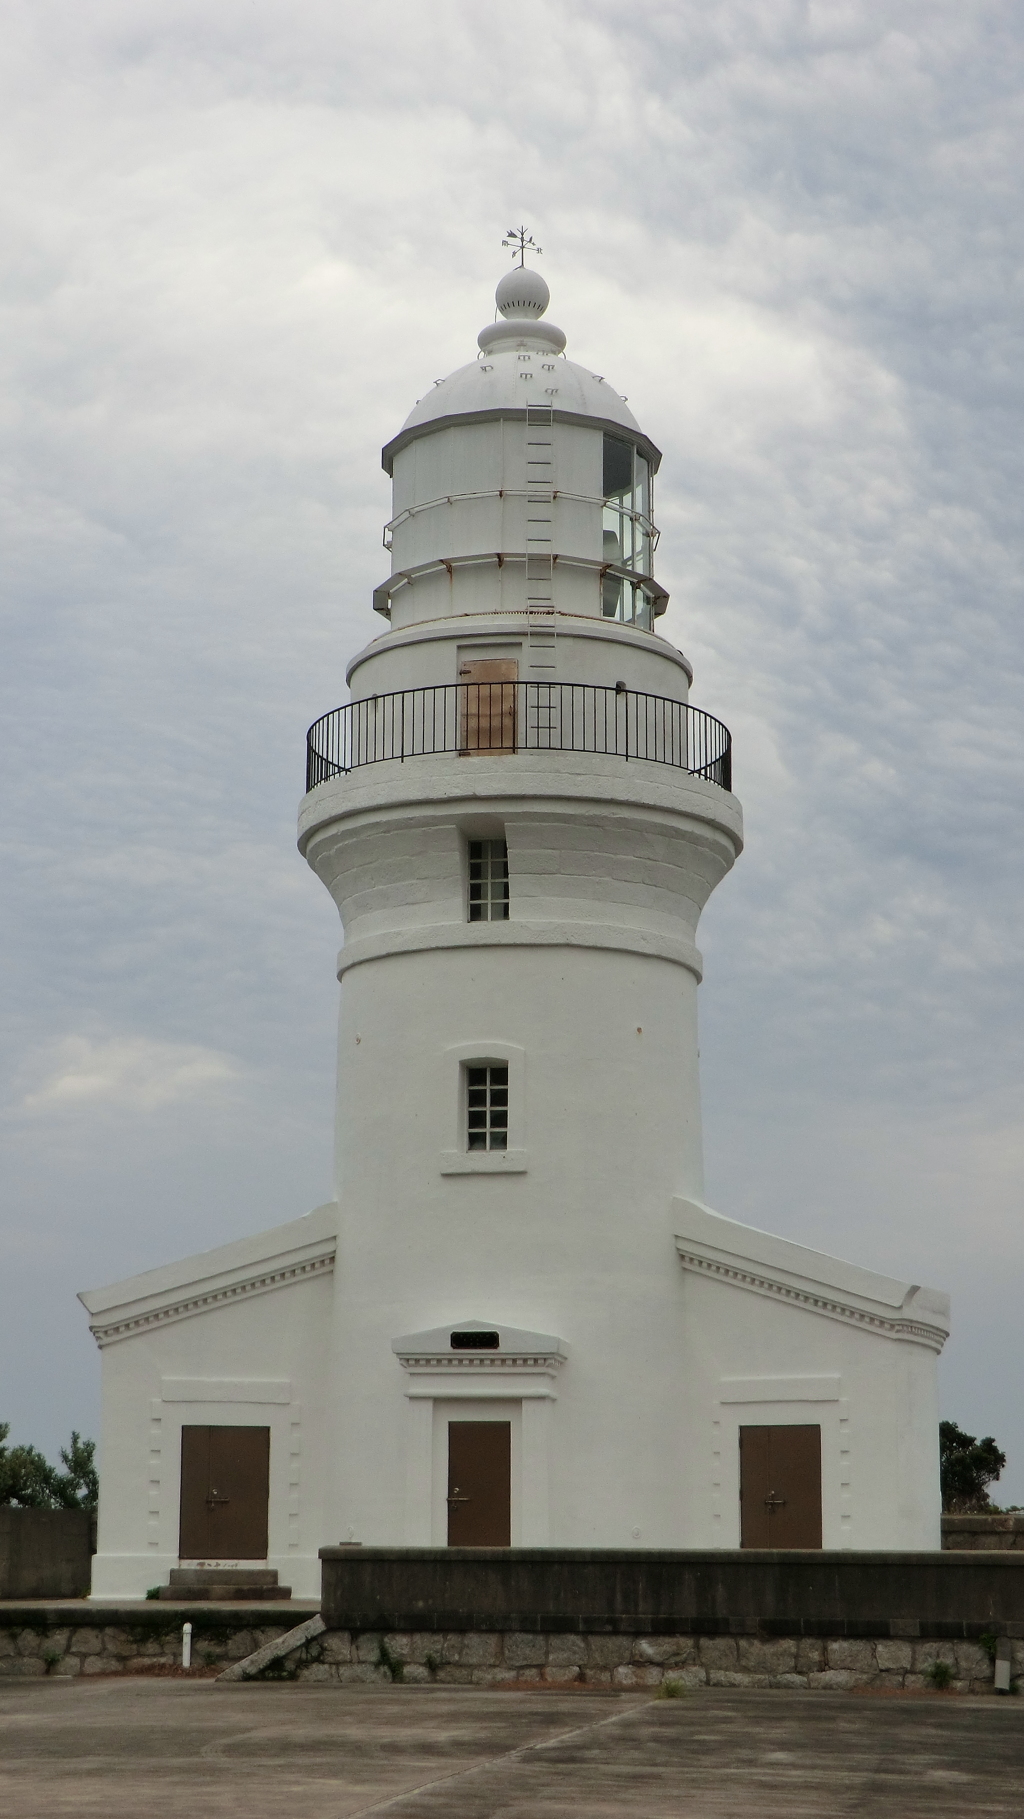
point(520, 364)
point(496, 382)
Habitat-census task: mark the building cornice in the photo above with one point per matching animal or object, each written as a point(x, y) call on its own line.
point(517, 1356)
point(431, 426)
point(203, 1297)
point(548, 1362)
point(722, 1250)
point(605, 936)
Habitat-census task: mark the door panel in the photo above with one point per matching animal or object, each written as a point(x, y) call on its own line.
point(488, 701)
point(225, 1493)
point(479, 1484)
point(780, 1486)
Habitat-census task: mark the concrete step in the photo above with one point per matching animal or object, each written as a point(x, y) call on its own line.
point(222, 1584)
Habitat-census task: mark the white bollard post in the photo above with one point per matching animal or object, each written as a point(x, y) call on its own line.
point(186, 1645)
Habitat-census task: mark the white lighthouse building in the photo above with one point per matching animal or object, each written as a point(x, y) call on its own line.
point(519, 1324)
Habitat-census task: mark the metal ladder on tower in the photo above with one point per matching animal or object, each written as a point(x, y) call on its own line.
point(541, 638)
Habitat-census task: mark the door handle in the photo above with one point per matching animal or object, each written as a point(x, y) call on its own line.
point(214, 1498)
point(453, 1497)
point(773, 1503)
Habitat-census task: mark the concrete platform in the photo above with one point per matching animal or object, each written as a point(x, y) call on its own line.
point(118, 1749)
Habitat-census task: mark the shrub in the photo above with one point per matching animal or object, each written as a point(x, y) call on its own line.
point(967, 1467)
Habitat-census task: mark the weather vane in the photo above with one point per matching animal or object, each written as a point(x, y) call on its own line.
point(521, 242)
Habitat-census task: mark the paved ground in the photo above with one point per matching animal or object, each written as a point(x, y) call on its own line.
point(164, 1749)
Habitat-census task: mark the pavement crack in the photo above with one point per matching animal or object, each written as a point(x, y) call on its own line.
point(519, 1754)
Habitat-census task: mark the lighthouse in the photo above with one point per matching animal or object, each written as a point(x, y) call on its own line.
point(518, 1323)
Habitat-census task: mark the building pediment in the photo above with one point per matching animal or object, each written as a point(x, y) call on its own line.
point(470, 1346)
point(723, 1250)
point(197, 1285)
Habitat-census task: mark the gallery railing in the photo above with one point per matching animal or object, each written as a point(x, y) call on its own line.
point(486, 718)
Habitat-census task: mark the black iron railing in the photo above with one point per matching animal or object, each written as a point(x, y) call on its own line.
point(474, 719)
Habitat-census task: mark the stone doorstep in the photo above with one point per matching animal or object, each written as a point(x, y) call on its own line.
point(253, 1576)
point(223, 1594)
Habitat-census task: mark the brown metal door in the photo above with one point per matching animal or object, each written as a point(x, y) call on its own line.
point(488, 691)
point(479, 1484)
point(780, 1486)
point(225, 1493)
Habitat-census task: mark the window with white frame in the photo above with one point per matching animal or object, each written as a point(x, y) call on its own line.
point(487, 1106)
point(488, 880)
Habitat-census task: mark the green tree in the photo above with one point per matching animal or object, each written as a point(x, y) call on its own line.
point(967, 1467)
point(29, 1480)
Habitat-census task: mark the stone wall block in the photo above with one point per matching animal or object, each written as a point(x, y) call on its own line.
point(68, 1668)
point(894, 1657)
point(565, 1673)
point(666, 1651)
point(415, 1675)
point(718, 1652)
point(455, 1674)
point(320, 1673)
point(723, 1676)
point(482, 1649)
point(810, 1655)
point(688, 1676)
point(336, 1646)
point(360, 1673)
point(608, 1651)
point(859, 1656)
point(121, 1643)
point(30, 1642)
point(776, 1655)
point(633, 1675)
point(972, 1662)
point(507, 1676)
point(238, 1646)
point(838, 1679)
point(102, 1664)
point(399, 1645)
point(567, 1651)
point(597, 1676)
point(423, 1643)
point(450, 1647)
point(25, 1666)
point(787, 1680)
point(367, 1648)
point(523, 1649)
point(927, 1653)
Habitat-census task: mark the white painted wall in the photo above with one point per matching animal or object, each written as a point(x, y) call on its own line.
point(237, 1337)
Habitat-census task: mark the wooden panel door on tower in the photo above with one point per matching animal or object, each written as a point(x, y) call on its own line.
point(479, 1484)
point(225, 1493)
point(780, 1486)
point(488, 705)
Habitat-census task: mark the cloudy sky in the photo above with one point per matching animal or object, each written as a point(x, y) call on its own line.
point(238, 243)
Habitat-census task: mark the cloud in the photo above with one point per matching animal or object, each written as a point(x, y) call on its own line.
point(128, 1074)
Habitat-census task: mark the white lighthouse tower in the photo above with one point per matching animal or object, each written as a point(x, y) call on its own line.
point(519, 1323)
point(518, 1098)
